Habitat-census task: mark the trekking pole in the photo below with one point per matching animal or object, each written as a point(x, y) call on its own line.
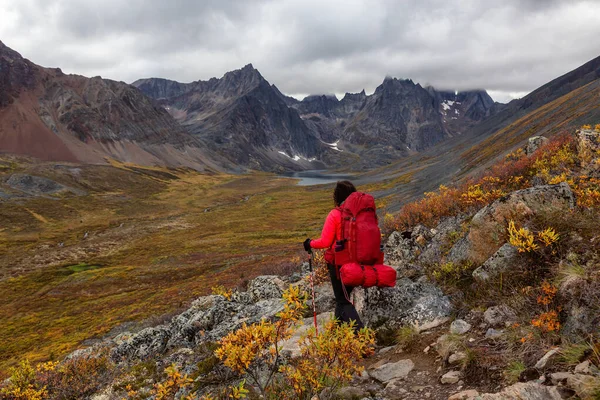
point(312, 287)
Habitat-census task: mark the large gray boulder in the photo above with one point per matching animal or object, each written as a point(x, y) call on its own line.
point(405, 247)
point(445, 235)
point(531, 200)
point(266, 287)
point(390, 371)
point(489, 223)
point(505, 258)
point(408, 302)
point(143, 344)
point(534, 143)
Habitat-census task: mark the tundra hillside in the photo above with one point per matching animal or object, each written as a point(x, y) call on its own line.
point(510, 258)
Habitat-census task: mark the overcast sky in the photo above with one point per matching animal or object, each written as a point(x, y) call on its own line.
point(508, 47)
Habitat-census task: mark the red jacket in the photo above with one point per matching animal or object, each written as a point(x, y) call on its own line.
point(332, 231)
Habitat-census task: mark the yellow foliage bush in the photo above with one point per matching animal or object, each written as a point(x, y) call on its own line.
point(525, 241)
point(548, 236)
point(175, 381)
point(71, 379)
point(587, 191)
point(521, 238)
point(23, 384)
point(254, 347)
point(220, 290)
point(326, 360)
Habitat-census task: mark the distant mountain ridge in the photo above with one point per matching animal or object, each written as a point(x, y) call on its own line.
point(398, 118)
point(240, 121)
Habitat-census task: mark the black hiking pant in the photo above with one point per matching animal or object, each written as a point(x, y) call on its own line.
point(344, 310)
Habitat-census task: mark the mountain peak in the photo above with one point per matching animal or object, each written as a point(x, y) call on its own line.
point(7, 52)
point(247, 74)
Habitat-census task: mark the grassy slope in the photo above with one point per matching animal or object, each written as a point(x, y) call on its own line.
point(151, 248)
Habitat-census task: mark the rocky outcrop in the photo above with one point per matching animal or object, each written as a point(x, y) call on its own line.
point(505, 258)
point(529, 391)
point(530, 200)
point(16, 74)
point(462, 110)
point(409, 302)
point(534, 143)
point(325, 105)
point(37, 185)
point(213, 316)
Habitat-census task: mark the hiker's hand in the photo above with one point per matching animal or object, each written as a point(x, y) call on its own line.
point(307, 245)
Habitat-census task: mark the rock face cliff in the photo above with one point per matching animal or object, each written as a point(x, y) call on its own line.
point(242, 117)
point(399, 114)
point(463, 110)
point(400, 117)
point(241, 121)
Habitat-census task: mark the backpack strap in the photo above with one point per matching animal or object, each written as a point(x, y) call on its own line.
point(376, 276)
point(345, 291)
point(364, 276)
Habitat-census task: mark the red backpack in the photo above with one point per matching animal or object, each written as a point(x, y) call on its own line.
point(358, 253)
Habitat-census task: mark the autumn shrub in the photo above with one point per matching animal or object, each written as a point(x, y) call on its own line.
point(221, 290)
point(556, 161)
point(526, 241)
point(254, 348)
point(327, 360)
point(23, 384)
point(172, 384)
point(74, 378)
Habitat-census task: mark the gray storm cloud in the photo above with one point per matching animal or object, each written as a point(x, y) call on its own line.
point(309, 46)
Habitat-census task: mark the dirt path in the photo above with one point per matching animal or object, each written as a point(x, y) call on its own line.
point(424, 380)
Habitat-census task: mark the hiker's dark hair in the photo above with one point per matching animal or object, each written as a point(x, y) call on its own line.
point(342, 190)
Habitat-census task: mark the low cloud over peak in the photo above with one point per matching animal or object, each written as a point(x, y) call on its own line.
point(507, 47)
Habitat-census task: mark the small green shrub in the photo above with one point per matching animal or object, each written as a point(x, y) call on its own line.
point(406, 337)
point(513, 371)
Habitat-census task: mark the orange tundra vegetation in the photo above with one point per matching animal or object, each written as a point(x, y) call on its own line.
point(562, 159)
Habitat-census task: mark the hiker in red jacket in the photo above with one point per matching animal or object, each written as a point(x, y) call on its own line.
point(332, 231)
